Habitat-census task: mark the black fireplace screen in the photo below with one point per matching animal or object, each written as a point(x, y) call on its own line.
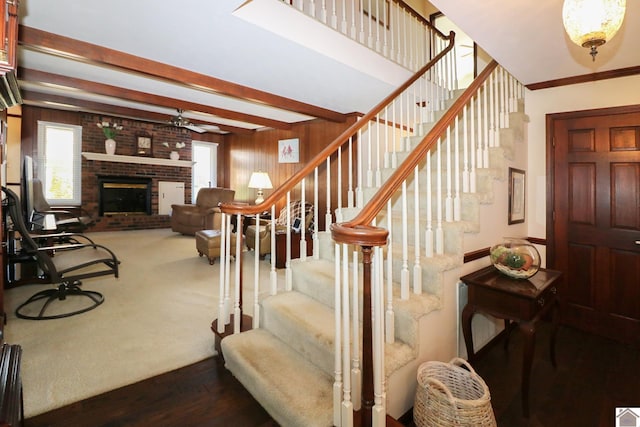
point(124, 196)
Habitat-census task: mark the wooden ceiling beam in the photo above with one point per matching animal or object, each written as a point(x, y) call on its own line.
point(35, 76)
point(39, 40)
point(75, 104)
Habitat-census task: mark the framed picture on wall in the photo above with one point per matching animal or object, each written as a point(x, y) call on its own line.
point(289, 150)
point(516, 195)
point(145, 146)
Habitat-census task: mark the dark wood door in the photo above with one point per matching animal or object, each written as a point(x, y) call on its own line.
point(596, 230)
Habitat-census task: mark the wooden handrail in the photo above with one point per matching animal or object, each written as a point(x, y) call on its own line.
point(351, 231)
point(292, 181)
point(419, 17)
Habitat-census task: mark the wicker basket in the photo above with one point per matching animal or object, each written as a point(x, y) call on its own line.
point(449, 395)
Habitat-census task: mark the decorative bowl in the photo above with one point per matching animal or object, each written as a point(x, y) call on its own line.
point(516, 258)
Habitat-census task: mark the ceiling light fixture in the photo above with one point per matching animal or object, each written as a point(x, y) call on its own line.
point(592, 23)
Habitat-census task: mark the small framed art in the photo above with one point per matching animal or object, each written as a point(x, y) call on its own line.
point(516, 195)
point(145, 145)
point(289, 150)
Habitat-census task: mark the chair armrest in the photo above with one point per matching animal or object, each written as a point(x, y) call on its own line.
point(186, 208)
point(65, 237)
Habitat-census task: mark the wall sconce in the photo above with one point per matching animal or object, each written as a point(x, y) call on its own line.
point(592, 23)
point(260, 180)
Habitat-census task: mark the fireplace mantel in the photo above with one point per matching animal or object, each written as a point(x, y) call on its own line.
point(137, 159)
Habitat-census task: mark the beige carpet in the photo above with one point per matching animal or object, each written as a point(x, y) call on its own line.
point(156, 317)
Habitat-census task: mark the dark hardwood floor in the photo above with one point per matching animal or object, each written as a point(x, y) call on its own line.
point(594, 376)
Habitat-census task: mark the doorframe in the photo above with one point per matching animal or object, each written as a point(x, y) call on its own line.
point(551, 120)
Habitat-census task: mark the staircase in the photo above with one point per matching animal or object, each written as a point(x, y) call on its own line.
point(300, 360)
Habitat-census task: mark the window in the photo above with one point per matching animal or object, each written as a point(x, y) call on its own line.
point(59, 162)
point(205, 168)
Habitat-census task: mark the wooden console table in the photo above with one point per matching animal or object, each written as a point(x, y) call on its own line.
point(522, 301)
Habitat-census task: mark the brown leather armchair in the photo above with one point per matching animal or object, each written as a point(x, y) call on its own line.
point(204, 215)
point(281, 225)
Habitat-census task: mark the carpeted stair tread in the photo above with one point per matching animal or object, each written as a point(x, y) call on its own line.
point(305, 324)
point(291, 389)
point(308, 327)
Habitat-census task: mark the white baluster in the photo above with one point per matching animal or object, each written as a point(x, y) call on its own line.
point(337, 342)
point(347, 405)
point(221, 297)
point(378, 410)
point(404, 278)
point(303, 218)
point(316, 211)
point(350, 192)
point(370, 173)
point(439, 231)
point(390, 315)
point(339, 187)
point(237, 310)
point(417, 269)
point(334, 16)
point(504, 107)
point(359, 188)
point(378, 150)
point(387, 150)
point(496, 129)
point(394, 157)
point(479, 145)
point(370, 19)
point(256, 277)
point(328, 218)
point(274, 274)
point(485, 111)
point(287, 264)
point(312, 9)
point(472, 154)
point(456, 173)
point(448, 205)
point(227, 279)
point(356, 373)
point(465, 157)
point(428, 234)
point(354, 29)
point(492, 124)
point(323, 12)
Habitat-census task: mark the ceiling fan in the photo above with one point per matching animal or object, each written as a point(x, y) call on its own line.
point(183, 122)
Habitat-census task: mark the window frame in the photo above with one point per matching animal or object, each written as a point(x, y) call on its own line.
point(76, 165)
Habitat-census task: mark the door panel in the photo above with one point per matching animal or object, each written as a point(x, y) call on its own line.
point(596, 205)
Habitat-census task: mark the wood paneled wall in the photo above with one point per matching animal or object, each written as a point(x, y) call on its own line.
point(238, 155)
point(244, 154)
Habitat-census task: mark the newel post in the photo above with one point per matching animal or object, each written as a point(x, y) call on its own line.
point(367, 339)
point(367, 237)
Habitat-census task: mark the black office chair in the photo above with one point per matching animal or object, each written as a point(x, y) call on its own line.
point(63, 265)
point(65, 220)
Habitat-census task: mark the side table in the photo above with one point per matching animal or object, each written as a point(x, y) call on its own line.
point(281, 246)
point(522, 301)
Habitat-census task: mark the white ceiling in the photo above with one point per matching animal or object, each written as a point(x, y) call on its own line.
point(205, 36)
point(527, 37)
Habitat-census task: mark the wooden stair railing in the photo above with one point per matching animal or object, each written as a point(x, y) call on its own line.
point(359, 230)
point(360, 233)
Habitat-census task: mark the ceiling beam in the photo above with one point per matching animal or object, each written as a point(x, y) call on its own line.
point(35, 76)
point(39, 40)
point(75, 104)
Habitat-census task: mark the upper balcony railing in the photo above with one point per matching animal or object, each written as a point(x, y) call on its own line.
point(390, 27)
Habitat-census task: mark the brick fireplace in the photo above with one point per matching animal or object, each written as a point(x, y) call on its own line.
point(152, 168)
